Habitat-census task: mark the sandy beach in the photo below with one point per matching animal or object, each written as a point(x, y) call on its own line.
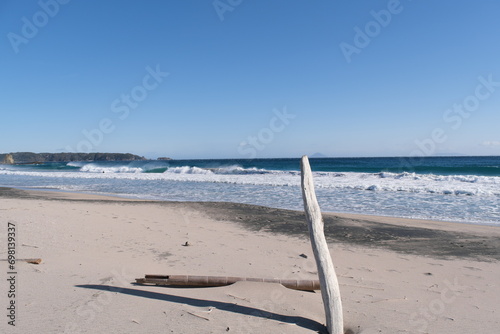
point(396, 275)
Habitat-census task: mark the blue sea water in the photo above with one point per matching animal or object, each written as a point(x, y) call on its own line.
point(457, 189)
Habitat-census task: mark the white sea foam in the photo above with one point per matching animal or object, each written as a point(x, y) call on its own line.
point(188, 170)
point(76, 164)
point(464, 198)
point(227, 170)
point(460, 185)
point(93, 168)
point(235, 169)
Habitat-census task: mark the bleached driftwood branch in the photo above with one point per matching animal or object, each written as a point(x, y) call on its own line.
point(330, 291)
point(186, 280)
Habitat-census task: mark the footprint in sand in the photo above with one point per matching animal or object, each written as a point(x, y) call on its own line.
point(435, 264)
point(473, 268)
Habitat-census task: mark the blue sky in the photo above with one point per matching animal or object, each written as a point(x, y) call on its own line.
point(245, 79)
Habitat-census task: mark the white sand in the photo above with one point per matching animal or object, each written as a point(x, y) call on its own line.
point(89, 246)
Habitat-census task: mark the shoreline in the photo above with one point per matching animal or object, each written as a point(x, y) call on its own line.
point(374, 190)
point(343, 214)
point(94, 247)
point(404, 235)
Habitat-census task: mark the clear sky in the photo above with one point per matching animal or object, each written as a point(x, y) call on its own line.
point(245, 79)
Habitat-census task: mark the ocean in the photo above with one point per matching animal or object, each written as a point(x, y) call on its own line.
point(455, 189)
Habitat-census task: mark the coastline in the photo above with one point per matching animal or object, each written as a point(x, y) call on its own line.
point(396, 275)
point(444, 189)
point(478, 242)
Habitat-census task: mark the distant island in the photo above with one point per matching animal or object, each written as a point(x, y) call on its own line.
point(33, 158)
point(318, 155)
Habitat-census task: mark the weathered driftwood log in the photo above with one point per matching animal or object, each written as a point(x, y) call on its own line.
point(330, 291)
point(186, 280)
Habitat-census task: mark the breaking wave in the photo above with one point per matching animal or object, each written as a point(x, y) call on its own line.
point(460, 185)
point(455, 192)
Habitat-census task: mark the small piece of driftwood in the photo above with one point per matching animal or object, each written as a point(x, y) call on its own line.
point(32, 261)
point(187, 280)
point(330, 291)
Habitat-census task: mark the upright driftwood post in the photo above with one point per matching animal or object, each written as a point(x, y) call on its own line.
point(328, 279)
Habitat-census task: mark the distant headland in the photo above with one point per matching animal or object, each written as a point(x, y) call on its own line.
point(33, 158)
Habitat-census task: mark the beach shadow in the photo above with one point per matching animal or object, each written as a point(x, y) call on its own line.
point(228, 307)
